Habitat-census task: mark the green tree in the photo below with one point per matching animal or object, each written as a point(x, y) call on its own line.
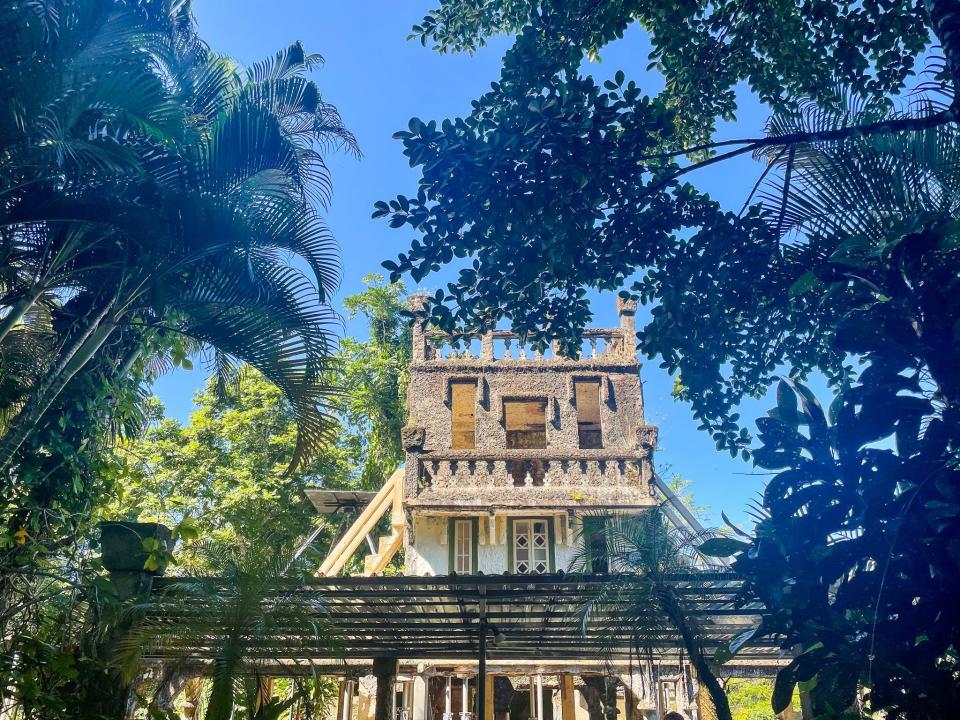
point(153, 192)
point(556, 182)
point(247, 605)
point(375, 378)
point(781, 51)
point(227, 468)
point(856, 552)
point(750, 699)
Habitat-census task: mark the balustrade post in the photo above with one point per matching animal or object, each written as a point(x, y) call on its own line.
point(486, 346)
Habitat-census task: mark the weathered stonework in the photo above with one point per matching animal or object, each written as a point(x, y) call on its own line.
point(560, 475)
point(412, 437)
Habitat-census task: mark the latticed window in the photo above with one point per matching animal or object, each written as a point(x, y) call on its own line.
point(531, 546)
point(463, 546)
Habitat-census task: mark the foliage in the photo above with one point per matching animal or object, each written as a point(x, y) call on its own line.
point(227, 468)
point(640, 601)
point(246, 605)
point(375, 378)
point(704, 50)
point(681, 487)
point(859, 533)
point(750, 699)
point(154, 197)
point(153, 190)
point(556, 183)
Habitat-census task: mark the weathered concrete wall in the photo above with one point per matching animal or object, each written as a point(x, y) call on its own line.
point(429, 553)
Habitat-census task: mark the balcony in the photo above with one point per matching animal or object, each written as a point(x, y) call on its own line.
point(516, 478)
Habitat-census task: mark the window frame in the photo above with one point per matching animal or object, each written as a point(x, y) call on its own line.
point(590, 525)
point(598, 382)
point(545, 400)
point(475, 382)
point(474, 523)
point(551, 543)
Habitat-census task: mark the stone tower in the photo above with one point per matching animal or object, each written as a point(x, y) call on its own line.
point(511, 455)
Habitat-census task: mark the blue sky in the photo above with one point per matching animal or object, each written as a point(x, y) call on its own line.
point(379, 80)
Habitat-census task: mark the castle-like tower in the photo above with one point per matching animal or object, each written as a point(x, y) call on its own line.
point(512, 454)
point(514, 460)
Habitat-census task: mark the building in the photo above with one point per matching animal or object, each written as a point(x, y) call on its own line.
point(513, 458)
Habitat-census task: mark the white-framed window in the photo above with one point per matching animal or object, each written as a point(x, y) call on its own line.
point(531, 546)
point(463, 546)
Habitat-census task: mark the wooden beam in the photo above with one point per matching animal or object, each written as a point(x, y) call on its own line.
point(390, 495)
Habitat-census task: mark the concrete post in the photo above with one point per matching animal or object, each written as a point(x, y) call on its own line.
point(385, 670)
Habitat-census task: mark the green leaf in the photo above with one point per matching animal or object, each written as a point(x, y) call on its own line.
point(722, 547)
point(783, 689)
point(803, 284)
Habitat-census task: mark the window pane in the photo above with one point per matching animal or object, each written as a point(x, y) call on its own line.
point(463, 400)
point(531, 546)
point(526, 422)
point(463, 550)
point(587, 398)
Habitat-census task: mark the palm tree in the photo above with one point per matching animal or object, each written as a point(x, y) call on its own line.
point(253, 602)
point(152, 189)
point(641, 601)
point(867, 232)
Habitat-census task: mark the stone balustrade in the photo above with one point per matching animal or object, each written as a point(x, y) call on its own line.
point(598, 344)
point(517, 469)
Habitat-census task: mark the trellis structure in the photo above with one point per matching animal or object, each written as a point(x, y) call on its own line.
point(525, 618)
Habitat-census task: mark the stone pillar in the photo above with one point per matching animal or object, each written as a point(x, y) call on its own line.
point(366, 695)
point(420, 698)
point(568, 707)
point(448, 699)
point(191, 697)
point(385, 670)
point(417, 303)
point(124, 555)
point(345, 701)
point(488, 708)
point(596, 691)
point(627, 310)
point(486, 346)
point(502, 697)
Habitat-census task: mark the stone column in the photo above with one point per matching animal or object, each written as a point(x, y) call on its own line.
point(385, 670)
point(568, 708)
point(420, 698)
point(366, 695)
point(486, 346)
point(416, 303)
point(345, 702)
point(627, 310)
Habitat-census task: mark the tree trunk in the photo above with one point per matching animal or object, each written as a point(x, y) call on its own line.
point(698, 658)
point(18, 310)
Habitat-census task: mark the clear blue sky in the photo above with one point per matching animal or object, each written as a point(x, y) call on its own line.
point(378, 80)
